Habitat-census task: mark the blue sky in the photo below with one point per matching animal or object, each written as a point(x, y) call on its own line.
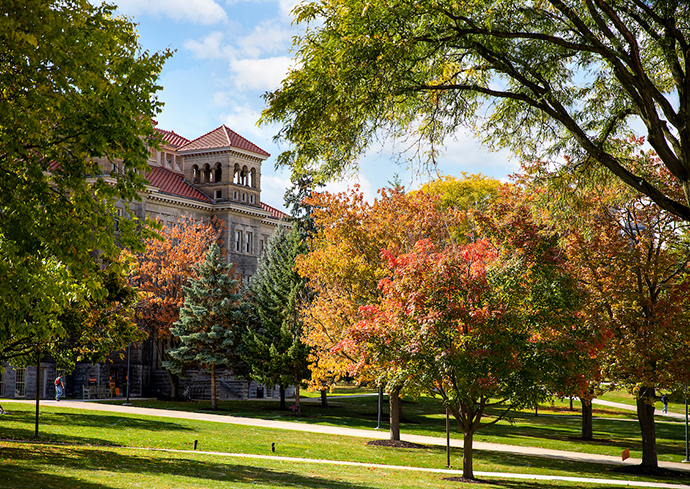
point(230, 52)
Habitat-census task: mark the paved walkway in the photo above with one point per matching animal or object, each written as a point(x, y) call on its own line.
point(362, 433)
point(628, 407)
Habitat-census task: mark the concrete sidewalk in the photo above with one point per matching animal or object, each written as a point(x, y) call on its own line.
point(628, 407)
point(354, 432)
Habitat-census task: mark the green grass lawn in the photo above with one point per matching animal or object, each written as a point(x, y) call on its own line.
point(556, 427)
point(97, 450)
point(89, 449)
point(88, 467)
point(624, 397)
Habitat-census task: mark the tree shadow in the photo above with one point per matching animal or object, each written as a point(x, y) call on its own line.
point(25, 429)
point(151, 463)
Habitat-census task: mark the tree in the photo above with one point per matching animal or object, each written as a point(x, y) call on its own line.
point(164, 269)
point(633, 258)
point(272, 345)
point(555, 77)
point(76, 88)
point(480, 325)
point(211, 320)
point(344, 267)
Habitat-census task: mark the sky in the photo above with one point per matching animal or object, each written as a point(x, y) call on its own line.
point(228, 53)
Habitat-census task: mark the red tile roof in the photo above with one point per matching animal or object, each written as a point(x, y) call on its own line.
point(274, 212)
point(172, 138)
point(173, 183)
point(222, 137)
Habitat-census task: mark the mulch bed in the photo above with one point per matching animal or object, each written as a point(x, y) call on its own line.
point(466, 481)
point(395, 444)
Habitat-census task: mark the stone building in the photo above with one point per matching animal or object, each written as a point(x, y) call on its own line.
point(215, 175)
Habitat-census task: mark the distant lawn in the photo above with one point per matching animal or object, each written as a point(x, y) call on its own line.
point(624, 397)
point(556, 427)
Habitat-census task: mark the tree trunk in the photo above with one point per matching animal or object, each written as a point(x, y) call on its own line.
point(282, 398)
point(467, 471)
point(587, 432)
point(645, 415)
point(395, 403)
point(299, 407)
point(324, 398)
point(214, 400)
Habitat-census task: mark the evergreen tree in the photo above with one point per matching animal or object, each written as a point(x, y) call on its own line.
point(273, 347)
point(211, 320)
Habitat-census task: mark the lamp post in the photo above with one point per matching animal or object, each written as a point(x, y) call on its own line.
point(687, 447)
point(380, 407)
point(447, 438)
point(129, 357)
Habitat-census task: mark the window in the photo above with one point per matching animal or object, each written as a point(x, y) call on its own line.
point(118, 215)
point(20, 382)
point(238, 241)
point(248, 243)
point(251, 199)
point(234, 194)
point(261, 246)
point(244, 197)
point(219, 194)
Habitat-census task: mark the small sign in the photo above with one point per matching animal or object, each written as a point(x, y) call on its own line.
point(625, 454)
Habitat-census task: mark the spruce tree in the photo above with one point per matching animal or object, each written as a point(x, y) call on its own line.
point(273, 347)
point(211, 320)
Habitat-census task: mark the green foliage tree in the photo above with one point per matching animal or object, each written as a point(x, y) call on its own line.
point(633, 259)
point(273, 346)
point(76, 88)
point(553, 77)
point(211, 320)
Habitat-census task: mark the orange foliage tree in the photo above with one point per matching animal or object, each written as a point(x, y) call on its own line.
point(484, 324)
point(344, 268)
point(164, 268)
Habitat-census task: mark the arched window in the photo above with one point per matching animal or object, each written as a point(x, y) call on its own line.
point(206, 174)
point(236, 174)
point(195, 174)
point(245, 176)
point(252, 178)
point(217, 173)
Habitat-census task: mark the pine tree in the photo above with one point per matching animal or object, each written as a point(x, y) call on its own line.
point(273, 347)
point(211, 320)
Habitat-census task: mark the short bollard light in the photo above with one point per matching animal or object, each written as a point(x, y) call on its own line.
point(273, 446)
point(195, 442)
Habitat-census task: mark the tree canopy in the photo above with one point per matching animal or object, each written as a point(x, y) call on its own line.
point(76, 87)
point(273, 348)
point(545, 78)
point(211, 321)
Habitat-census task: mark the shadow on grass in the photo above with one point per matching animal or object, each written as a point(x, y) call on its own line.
point(20, 426)
point(26, 460)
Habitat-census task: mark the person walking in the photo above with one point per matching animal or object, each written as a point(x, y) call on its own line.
point(664, 400)
point(59, 387)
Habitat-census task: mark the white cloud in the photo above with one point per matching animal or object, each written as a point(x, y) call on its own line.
point(273, 189)
point(210, 47)
point(260, 74)
point(242, 119)
point(286, 6)
point(267, 37)
point(197, 11)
